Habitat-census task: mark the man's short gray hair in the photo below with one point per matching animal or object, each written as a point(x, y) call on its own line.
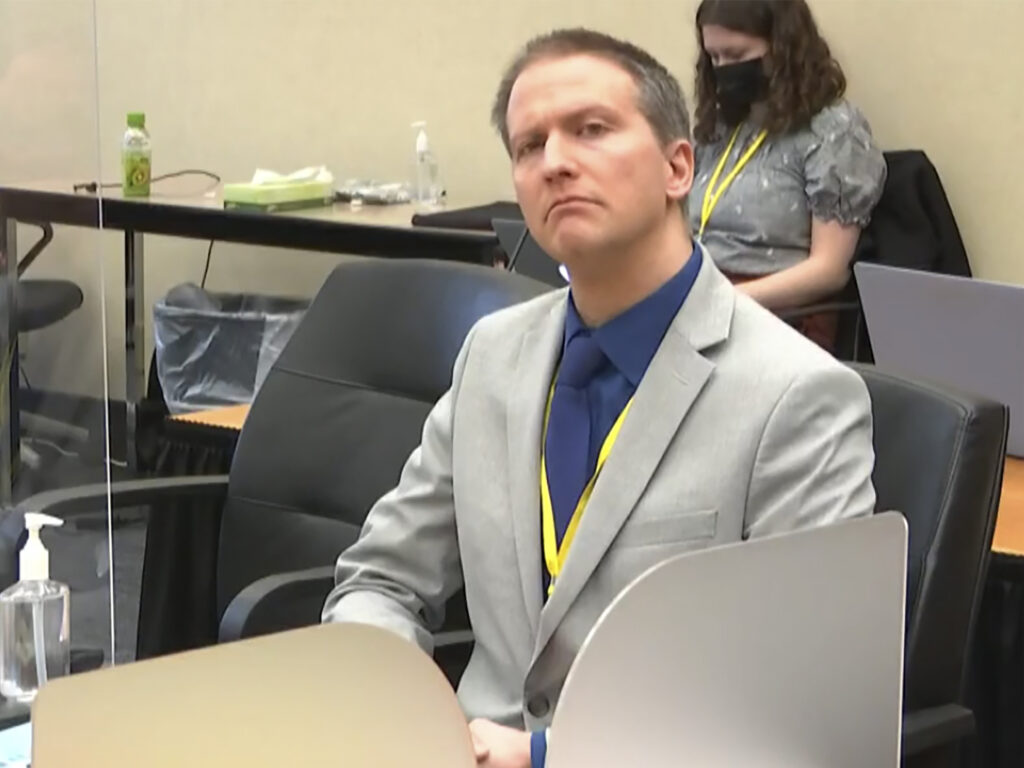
point(659, 97)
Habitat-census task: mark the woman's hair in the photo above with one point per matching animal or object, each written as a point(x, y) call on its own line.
point(803, 78)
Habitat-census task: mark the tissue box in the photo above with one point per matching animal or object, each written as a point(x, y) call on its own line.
point(278, 197)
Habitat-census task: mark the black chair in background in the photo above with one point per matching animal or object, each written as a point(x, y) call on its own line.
point(327, 435)
point(939, 460)
point(40, 304)
point(912, 227)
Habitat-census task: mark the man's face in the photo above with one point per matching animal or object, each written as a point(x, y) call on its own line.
point(590, 175)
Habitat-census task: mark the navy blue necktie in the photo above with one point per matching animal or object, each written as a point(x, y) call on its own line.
point(567, 445)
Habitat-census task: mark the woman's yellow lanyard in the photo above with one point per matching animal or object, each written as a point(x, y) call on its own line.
point(712, 195)
point(555, 555)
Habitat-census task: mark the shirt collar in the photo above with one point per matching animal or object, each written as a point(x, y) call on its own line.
point(630, 340)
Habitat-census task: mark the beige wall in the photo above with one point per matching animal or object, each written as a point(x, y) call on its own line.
point(234, 84)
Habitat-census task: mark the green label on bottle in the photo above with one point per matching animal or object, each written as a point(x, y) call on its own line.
point(136, 169)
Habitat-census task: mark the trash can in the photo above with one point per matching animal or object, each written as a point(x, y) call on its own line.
point(215, 349)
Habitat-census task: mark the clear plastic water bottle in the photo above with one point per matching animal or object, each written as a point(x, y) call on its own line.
point(136, 157)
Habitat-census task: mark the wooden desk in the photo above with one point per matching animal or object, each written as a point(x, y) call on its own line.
point(231, 417)
point(1009, 536)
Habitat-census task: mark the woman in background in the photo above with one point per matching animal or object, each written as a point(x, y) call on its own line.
point(787, 173)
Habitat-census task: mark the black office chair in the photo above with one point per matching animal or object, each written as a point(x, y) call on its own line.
point(939, 460)
point(912, 227)
point(40, 304)
point(363, 396)
point(329, 431)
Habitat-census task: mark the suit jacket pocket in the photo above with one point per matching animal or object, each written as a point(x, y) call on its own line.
point(686, 526)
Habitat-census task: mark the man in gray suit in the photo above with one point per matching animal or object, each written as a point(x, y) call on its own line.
point(588, 434)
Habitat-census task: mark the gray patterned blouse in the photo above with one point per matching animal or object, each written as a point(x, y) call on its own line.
point(831, 170)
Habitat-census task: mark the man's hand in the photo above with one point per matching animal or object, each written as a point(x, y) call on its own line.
point(499, 747)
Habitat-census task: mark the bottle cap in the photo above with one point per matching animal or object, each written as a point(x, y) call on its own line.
point(137, 120)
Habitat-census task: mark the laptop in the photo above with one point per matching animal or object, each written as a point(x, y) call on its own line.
point(789, 654)
point(525, 256)
point(955, 331)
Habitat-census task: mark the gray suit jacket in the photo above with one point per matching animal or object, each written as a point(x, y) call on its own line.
point(740, 427)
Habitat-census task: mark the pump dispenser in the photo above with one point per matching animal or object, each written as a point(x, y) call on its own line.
point(428, 187)
point(34, 560)
point(35, 620)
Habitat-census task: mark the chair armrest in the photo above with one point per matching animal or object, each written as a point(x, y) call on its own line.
point(37, 248)
point(83, 499)
point(924, 729)
point(453, 638)
point(292, 600)
point(813, 309)
point(277, 603)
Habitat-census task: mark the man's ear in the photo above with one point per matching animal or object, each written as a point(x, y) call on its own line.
point(679, 169)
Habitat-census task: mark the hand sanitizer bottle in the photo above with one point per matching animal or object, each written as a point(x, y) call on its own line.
point(35, 620)
point(428, 192)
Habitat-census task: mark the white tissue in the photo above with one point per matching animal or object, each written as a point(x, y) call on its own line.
point(312, 173)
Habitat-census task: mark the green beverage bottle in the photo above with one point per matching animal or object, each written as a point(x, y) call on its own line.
point(136, 157)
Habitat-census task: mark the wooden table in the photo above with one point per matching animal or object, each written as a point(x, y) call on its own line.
point(1009, 536)
point(230, 417)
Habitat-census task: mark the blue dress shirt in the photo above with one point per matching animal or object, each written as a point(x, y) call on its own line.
point(628, 342)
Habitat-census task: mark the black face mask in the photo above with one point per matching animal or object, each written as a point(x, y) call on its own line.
point(738, 86)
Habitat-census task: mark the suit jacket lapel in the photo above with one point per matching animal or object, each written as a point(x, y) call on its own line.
point(672, 383)
point(538, 353)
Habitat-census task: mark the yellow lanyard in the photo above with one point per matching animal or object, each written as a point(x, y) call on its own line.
point(711, 195)
point(555, 555)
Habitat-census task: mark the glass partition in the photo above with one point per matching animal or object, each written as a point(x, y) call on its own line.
point(190, 289)
point(56, 288)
